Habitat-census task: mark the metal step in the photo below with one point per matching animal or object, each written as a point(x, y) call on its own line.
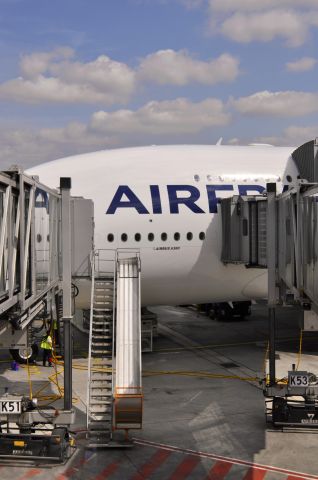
point(103, 352)
point(99, 309)
point(98, 426)
point(102, 363)
point(103, 300)
point(106, 375)
point(106, 379)
point(105, 316)
point(99, 415)
point(98, 410)
point(104, 292)
point(107, 403)
point(101, 343)
point(105, 330)
point(107, 364)
point(104, 386)
point(101, 395)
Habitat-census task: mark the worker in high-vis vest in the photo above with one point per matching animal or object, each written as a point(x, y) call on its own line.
point(46, 346)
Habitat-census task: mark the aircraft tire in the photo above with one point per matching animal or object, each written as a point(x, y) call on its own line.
point(224, 312)
point(23, 355)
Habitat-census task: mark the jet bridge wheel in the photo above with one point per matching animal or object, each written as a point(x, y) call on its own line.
point(224, 312)
point(25, 355)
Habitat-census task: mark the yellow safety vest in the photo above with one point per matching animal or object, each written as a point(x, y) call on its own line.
point(46, 343)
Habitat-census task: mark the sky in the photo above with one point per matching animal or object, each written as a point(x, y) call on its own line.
point(79, 76)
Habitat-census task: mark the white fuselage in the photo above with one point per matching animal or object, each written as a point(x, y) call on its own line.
point(138, 191)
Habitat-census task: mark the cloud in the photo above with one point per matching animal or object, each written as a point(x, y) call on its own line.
point(245, 21)
point(35, 64)
point(292, 136)
point(257, 5)
point(57, 77)
point(54, 77)
point(155, 120)
point(179, 68)
point(167, 117)
point(302, 65)
point(266, 26)
point(27, 146)
point(277, 104)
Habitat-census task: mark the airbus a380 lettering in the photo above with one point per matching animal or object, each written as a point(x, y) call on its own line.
point(163, 202)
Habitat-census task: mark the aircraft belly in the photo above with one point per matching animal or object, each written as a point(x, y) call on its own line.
point(204, 280)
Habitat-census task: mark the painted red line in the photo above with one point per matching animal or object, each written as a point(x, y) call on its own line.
point(109, 470)
point(219, 471)
point(185, 468)
point(253, 474)
point(233, 461)
point(72, 470)
point(30, 473)
point(156, 460)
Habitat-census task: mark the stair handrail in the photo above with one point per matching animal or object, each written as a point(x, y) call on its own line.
point(92, 261)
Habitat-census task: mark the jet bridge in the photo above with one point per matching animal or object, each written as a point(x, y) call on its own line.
point(38, 255)
point(280, 232)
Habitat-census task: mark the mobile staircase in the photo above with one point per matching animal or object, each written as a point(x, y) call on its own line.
point(115, 295)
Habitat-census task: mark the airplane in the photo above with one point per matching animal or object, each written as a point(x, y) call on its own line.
point(164, 201)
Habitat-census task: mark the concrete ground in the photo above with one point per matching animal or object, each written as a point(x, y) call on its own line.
point(195, 426)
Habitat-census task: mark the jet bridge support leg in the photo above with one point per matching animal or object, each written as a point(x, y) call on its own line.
point(65, 186)
point(271, 265)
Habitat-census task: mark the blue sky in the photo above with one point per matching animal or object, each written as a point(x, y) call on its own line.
point(79, 75)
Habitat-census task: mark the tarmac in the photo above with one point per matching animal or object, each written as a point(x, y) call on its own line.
point(199, 421)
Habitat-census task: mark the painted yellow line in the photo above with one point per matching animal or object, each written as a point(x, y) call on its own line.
point(220, 345)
